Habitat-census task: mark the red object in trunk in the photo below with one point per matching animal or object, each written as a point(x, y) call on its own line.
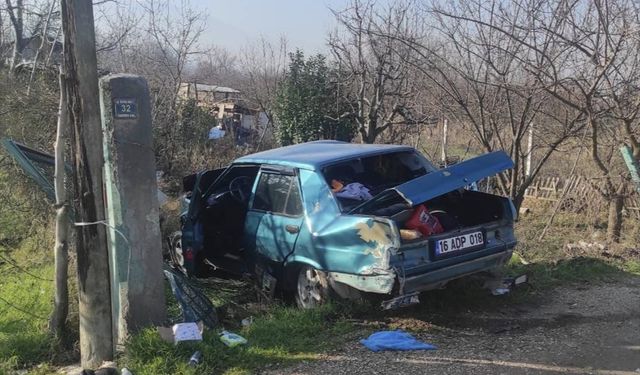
point(188, 254)
point(422, 221)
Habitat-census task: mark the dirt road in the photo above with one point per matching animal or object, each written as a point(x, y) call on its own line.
point(573, 330)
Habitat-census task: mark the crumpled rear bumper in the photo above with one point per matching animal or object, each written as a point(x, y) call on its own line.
point(436, 278)
point(386, 282)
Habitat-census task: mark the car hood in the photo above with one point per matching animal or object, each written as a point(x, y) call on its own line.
point(442, 181)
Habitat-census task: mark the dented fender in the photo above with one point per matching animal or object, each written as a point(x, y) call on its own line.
point(354, 249)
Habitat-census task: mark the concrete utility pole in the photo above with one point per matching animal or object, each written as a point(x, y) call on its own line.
point(96, 339)
point(135, 244)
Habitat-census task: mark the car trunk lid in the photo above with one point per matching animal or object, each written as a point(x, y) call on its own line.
point(434, 184)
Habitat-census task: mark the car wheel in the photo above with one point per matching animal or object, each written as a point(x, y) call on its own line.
point(312, 288)
point(175, 252)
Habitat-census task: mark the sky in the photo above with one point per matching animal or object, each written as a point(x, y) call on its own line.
point(234, 23)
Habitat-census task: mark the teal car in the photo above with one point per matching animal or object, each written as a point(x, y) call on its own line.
point(329, 218)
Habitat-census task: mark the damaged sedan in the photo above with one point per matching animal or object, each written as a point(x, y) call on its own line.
point(328, 218)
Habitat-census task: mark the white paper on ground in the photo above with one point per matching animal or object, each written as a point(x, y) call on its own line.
point(186, 332)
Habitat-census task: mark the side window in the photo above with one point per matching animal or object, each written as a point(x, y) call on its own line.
point(279, 194)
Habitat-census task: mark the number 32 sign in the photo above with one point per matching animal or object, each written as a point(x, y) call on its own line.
point(125, 108)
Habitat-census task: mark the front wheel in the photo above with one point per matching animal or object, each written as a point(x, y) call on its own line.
point(176, 254)
point(312, 288)
point(182, 260)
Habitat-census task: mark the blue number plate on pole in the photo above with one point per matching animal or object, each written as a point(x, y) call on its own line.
point(125, 108)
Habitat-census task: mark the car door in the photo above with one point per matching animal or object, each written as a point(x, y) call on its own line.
point(275, 214)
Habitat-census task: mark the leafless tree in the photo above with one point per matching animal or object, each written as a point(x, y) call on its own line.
point(57, 322)
point(372, 60)
point(44, 38)
point(482, 82)
point(217, 66)
point(580, 53)
point(263, 68)
point(15, 11)
point(158, 41)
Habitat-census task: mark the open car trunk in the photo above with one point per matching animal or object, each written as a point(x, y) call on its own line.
point(474, 224)
point(458, 210)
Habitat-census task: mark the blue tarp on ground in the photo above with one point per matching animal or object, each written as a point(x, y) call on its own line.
point(394, 340)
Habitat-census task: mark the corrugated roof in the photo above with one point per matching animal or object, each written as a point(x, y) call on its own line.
point(222, 89)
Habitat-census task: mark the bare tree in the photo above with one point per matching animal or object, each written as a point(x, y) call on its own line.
point(61, 298)
point(482, 82)
point(376, 78)
point(160, 42)
point(175, 33)
point(579, 53)
point(15, 12)
point(264, 65)
point(216, 66)
point(44, 38)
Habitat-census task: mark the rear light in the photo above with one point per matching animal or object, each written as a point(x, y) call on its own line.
point(188, 254)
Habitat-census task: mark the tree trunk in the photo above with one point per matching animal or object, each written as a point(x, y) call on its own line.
point(94, 294)
point(15, 15)
point(43, 43)
point(614, 223)
point(57, 323)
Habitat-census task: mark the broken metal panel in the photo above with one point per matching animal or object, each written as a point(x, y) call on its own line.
point(359, 245)
point(32, 162)
point(381, 283)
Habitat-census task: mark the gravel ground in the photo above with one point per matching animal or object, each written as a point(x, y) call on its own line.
point(575, 330)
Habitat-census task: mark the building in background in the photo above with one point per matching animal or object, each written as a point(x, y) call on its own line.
point(235, 115)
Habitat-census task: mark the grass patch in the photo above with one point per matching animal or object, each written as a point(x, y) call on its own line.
point(24, 307)
point(544, 275)
point(548, 263)
point(632, 267)
point(281, 336)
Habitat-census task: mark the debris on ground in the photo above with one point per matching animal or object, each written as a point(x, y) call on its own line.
point(195, 358)
point(182, 332)
point(394, 340)
point(195, 306)
point(524, 211)
point(521, 259)
point(401, 301)
point(246, 322)
point(504, 286)
point(584, 248)
point(231, 339)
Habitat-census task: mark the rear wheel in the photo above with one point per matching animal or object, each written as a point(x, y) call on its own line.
point(312, 288)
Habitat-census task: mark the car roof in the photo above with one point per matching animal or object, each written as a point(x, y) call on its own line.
point(315, 155)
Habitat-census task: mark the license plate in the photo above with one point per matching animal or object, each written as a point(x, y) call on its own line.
point(458, 243)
